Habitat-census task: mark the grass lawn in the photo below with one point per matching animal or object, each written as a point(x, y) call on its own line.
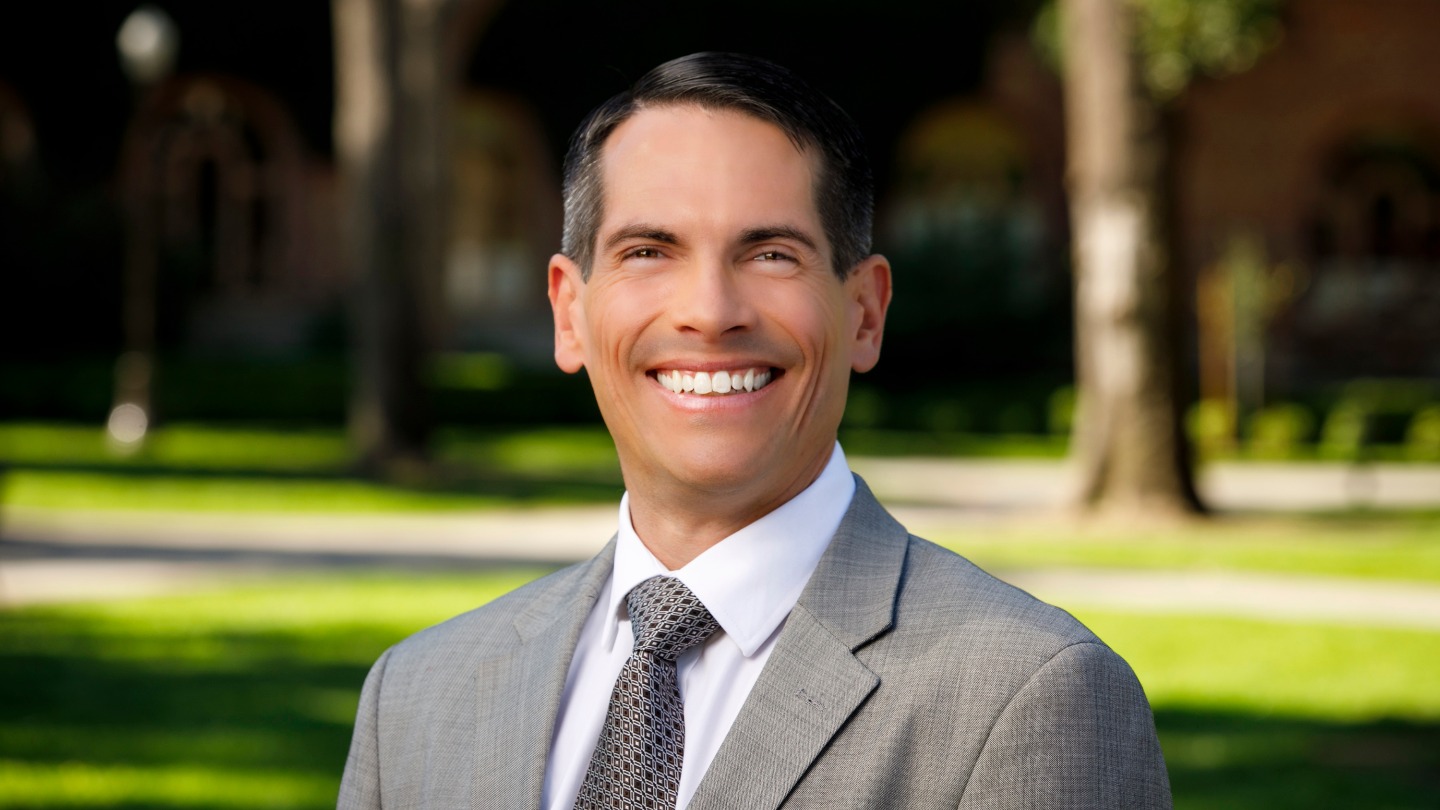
point(292, 469)
point(244, 698)
point(286, 468)
point(1399, 545)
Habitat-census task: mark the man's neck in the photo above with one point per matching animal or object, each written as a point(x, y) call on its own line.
point(679, 526)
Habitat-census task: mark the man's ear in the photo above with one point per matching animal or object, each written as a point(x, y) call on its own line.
point(868, 286)
point(565, 287)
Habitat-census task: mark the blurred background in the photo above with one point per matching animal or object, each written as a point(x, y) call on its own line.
point(276, 387)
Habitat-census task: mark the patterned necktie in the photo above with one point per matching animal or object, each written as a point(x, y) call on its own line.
point(637, 759)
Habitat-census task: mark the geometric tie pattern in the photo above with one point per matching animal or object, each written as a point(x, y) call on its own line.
point(637, 759)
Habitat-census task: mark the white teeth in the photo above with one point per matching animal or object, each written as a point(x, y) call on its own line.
point(714, 383)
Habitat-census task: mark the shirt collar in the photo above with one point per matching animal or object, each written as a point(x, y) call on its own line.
point(751, 580)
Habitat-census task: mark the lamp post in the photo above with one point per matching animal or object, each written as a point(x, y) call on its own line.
point(147, 42)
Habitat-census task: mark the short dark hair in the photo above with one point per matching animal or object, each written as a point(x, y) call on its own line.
point(844, 192)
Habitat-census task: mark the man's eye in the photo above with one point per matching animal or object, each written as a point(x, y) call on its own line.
point(642, 253)
point(775, 256)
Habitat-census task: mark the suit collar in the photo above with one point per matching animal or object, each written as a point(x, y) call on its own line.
point(813, 682)
point(852, 592)
point(578, 593)
point(518, 729)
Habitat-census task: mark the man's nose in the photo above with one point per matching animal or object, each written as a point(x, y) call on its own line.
point(712, 299)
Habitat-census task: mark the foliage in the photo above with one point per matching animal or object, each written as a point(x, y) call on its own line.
point(1279, 430)
point(1364, 420)
point(1211, 425)
point(1345, 434)
point(1423, 438)
point(1180, 40)
point(467, 388)
point(1367, 412)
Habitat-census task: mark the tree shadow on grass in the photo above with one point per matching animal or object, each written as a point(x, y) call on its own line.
point(148, 707)
point(225, 709)
point(230, 717)
point(1242, 761)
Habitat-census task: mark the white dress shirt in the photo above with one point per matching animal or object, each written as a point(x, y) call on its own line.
point(749, 581)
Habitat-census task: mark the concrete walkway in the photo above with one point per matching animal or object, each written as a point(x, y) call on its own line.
point(48, 555)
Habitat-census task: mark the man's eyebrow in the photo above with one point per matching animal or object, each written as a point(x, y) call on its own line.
point(766, 233)
point(649, 233)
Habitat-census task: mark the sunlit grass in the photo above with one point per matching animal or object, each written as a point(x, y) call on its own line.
point(69, 490)
point(187, 446)
point(240, 698)
point(216, 467)
point(1262, 714)
point(189, 467)
point(1277, 669)
point(78, 784)
point(245, 697)
point(292, 449)
point(1395, 545)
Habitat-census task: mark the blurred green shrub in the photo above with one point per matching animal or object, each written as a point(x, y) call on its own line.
point(865, 408)
point(1060, 411)
point(947, 416)
point(1346, 430)
point(1018, 418)
point(1211, 425)
point(1422, 440)
point(1279, 431)
point(1374, 412)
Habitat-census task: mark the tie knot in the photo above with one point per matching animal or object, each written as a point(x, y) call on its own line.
point(667, 618)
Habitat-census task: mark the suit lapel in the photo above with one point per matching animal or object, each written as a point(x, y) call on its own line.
point(514, 733)
point(813, 682)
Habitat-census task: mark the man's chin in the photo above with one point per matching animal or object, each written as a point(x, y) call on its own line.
point(718, 475)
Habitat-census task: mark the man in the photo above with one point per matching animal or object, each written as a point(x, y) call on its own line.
point(716, 285)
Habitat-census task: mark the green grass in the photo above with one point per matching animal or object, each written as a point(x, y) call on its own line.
point(210, 467)
point(1278, 715)
point(245, 697)
point(1401, 545)
point(289, 450)
point(1261, 668)
point(237, 699)
point(279, 469)
point(287, 469)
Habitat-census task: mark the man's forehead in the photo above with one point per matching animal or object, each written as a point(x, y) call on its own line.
point(689, 110)
point(690, 151)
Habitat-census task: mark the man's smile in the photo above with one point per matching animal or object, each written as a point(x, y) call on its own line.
point(715, 383)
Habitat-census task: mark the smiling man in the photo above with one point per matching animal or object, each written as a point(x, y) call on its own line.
point(760, 632)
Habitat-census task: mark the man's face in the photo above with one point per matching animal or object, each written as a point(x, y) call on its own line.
point(717, 337)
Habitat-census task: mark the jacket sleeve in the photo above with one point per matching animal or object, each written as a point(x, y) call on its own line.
point(360, 787)
point(1078, 735)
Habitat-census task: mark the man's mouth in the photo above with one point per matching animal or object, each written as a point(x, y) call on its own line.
point(714, 383)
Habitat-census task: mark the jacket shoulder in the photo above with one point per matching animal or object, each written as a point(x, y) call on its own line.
point(496, 626)
point(942, 592)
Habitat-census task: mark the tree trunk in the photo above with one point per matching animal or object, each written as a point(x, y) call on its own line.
point(391, 98)
point(1133, 459)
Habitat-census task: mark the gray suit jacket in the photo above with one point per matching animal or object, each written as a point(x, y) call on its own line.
point(905, 677)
